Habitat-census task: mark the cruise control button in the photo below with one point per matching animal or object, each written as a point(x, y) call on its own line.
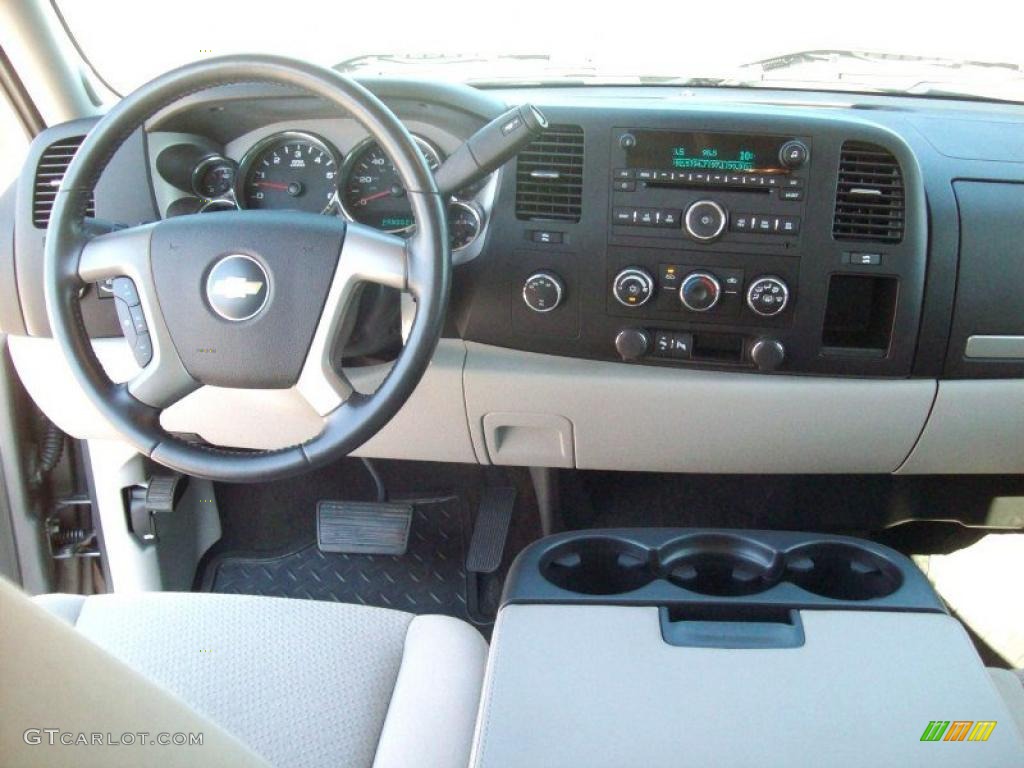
point(124, 289)
point(138, 319)
point(124, 319)
point(143, 349)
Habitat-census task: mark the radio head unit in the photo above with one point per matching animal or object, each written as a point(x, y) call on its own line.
point(704, 151)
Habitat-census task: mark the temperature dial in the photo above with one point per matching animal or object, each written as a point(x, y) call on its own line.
point(633, 287)
point(768, 296)
point(700, 291)
point(543, 291)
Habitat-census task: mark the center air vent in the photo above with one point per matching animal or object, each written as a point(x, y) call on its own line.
point(51, 169)
point(549, 175)
point(869, 196)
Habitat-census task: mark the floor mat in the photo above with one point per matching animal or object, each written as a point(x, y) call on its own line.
point(429, 578)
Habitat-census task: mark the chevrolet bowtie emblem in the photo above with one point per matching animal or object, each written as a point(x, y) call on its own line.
point(236, 287)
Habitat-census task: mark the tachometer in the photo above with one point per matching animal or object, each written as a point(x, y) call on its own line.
point(291, 170)
point(372, 193)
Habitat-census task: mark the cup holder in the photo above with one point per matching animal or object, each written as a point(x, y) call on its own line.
point(598, 566)
point(722, 565)
point(842, 571)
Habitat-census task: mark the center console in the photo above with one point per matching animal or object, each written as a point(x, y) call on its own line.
point(721, 648)
point(747, 242)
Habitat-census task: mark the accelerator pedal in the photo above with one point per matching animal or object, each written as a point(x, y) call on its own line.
point(363, 527)
point(491, 529)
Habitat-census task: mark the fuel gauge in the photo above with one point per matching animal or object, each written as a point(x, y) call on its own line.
point(464, 224)
point(214, 177)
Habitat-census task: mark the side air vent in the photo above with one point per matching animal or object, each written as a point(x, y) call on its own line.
point(549, 175)
point(869, 198)
point(51, 169)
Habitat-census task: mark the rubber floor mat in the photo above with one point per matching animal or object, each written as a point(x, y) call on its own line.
point(429, 578)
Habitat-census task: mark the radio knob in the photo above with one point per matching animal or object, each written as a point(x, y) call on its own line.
point(705, 220)
point(767, 354)
point(543, 291)
point(793, 154)
point(700, 291)
point(632, 344)
point(633, 287)
point(768, 296)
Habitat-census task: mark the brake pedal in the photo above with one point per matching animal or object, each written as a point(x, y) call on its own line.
point(363, 527)
point(488, 543)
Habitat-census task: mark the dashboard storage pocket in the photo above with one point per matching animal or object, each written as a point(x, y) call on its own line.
point(842, 571)
point(598, 566)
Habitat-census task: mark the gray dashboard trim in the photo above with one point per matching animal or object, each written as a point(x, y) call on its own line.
point(642, 418)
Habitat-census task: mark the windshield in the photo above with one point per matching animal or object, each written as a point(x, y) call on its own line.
point(861, 46)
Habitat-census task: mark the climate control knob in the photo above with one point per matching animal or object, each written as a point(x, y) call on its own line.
point(700, 291)
point(705, 220)
point(633, 287)
point(543, 291)
point(768, 296)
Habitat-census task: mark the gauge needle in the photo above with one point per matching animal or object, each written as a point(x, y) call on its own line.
point(271, 184)
point(371, 198)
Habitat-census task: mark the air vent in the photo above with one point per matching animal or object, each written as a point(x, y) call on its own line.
point(869, 197)
point(51, 169)
point(549, 175)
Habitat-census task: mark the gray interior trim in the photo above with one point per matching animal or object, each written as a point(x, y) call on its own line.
point(658, 419)
point(976, 427)
point(598, 686)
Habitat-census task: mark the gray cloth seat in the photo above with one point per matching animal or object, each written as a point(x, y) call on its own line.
point(301, 683)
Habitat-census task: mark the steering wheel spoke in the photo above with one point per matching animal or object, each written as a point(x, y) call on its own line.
point(123, 256)
point(367, 256)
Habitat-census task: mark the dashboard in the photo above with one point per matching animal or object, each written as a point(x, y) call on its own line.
point(666, 278)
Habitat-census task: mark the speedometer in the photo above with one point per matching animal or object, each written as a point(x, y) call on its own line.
point(291, 170)
point(371, 191)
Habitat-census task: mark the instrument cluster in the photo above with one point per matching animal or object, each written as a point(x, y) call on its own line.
point(299, 170)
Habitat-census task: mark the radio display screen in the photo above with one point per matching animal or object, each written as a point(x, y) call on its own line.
point(700, 151)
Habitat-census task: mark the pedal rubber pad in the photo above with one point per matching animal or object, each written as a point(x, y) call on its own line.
point(488, 542)
point(363, 527)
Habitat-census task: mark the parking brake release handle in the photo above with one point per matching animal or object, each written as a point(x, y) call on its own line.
point(490, 147)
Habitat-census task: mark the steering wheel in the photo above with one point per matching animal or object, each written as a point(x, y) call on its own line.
point(249, 299)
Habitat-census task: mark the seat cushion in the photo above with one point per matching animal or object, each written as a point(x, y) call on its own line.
point(301, 682)
point(1011, 687)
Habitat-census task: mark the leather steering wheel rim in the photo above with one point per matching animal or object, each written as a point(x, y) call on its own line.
point(425, 273)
